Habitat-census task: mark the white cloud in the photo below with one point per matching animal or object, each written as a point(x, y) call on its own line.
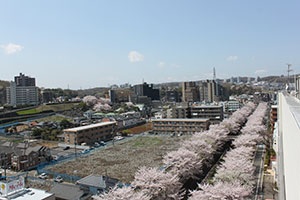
point(232, 58)
point(135, 56)
point(260, 71)
point(11, 48)
point(161, 64)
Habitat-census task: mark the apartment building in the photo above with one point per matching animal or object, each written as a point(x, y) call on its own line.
point(214, 113)
point(146, 90)
point(22, 91)
point(190, 92)
point(178, 112)
point(23, 80)
point(179, 126)
point(232, 106)
point(89, 134)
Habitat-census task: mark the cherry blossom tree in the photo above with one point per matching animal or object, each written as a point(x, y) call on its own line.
point(157, 184)
point(90, 100)
point(232, 125)
point(104, 100)
point(247, 140)
point(125, 193)
point(233, 169)
point(100, 104)
point(241, 152)
point(234, 177)
point(183, 163)
point(101, 107)
point(199, 146)
point(222, 191)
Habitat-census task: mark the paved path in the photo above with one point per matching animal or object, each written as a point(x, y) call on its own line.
point(268, 186)
point(259, 170)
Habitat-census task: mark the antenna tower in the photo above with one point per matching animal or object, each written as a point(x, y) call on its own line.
point(288, 71)
point(214, 73)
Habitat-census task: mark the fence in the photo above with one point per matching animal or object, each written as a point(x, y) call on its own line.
point(42, 168)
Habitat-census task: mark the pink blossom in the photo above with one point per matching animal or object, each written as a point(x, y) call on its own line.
point(222, 191)
point(183, 163)
point(90, 100)
point(125, 193)
point(157, 184)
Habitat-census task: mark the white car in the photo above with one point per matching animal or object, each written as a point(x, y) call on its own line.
point(118, 138)
point(85, 151)
point(43, 176)
point(58, 179)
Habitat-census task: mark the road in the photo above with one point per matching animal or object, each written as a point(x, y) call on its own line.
point(259, 171)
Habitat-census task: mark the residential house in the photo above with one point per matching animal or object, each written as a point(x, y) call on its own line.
point(68, 192)
point(23, 156)
point(95, 184)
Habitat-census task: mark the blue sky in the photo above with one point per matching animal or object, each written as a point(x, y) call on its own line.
point(85, 44)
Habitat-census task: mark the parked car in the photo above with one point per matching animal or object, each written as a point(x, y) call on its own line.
point(118, 138)
point(66, 148)
point(102, 143)
point(43, 176)
point(85, 151)
point(58, 179)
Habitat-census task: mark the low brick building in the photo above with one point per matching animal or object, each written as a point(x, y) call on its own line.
point(182, 126)
point(89, 134)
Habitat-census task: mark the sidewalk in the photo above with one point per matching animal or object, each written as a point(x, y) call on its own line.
point(268, 186)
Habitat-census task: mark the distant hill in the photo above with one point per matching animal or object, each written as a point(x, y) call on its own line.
point(4, 84)
point(97, 91)
point(278, 79)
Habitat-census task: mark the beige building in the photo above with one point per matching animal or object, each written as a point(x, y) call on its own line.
point(214, 113)
point(178, 112)
point(89, 134)
point(190, 92)
point(183, 126)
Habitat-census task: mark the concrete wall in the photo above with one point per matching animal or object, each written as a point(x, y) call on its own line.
point(289, 146)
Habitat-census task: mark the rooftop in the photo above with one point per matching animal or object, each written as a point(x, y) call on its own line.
point(29, 194)
point(67, 191)
point(92, 180)
point(180, 120)
point(80, 128)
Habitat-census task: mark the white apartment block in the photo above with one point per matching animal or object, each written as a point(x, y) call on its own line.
point(22, 95)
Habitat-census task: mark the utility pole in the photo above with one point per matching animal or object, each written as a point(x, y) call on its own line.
point(75, 143)
point(288, 71)
point(113, 132)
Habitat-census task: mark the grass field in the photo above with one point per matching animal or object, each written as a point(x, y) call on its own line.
point(124, 159)
point(53, 118)
point(54, 107)
point(29, 112)
point(58, 107)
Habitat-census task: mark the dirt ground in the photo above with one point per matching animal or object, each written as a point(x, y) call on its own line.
point(122, 160)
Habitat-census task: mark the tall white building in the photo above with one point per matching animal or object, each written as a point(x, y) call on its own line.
point(22, 94)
